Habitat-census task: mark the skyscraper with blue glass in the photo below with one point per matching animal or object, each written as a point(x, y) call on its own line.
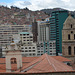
point(56, 24)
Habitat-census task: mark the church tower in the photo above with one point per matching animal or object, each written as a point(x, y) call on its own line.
point(68, 38)
point(13, 57)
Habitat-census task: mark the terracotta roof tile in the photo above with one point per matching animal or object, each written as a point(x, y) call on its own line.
point(28, 59)
point(60, 58)
point(2, 67)
point(45, 63)
point(2, 60)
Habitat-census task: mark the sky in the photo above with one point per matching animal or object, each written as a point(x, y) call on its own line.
point(40, 4)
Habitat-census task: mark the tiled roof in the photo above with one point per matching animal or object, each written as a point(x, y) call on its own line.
point(2, 67)
point(25, 61)
point(2, 60)
point(62, 59)
point(45, 63)
point(28, 59)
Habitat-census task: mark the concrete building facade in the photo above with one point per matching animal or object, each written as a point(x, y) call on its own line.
point(48, 47)
point(43, 31)
point(68, 38)
point(7, 32)
point(44, 45)
point(27, 46)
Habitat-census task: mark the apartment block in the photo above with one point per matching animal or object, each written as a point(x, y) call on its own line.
point(48, 47)
point(27, 46)
point(7, 32)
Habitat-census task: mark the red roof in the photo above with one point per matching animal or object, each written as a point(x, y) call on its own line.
point(28, 59)
point(62, 59)
point(44, 63)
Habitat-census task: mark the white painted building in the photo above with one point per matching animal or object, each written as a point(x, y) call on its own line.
point(26, 38)
point(27, 46)
point(43, 30)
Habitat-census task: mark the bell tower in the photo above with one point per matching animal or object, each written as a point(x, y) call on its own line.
point(68, 38)
point(13, 57)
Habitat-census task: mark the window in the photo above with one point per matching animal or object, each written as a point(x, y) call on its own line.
point(68, 36)
point(74, 36)
point(74, 50)
point(20, 34)
point(31, 40)
point(33, 47)
point(13, 61)
point(34, 54)
point(69, 50)
point(29, 47)
point(24, 37)
point(33, 50)
point(25, 47)
point(22, 48)
point(71, 31)
point(27, 34)
point(50, 45)
point(24, 34)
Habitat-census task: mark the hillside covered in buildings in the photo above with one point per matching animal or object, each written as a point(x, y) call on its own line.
point(15, 15)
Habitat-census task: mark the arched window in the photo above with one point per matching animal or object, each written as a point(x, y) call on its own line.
point(69, 50)
point(13, 61)
point(71, 25)
point(74, 36)
point(68, 36)
point(74, 50)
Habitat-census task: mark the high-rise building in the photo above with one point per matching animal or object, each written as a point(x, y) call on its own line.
point(56, 24)
point(68, 38)
point(44, 45)
point(43, 31)
point(34, 31)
